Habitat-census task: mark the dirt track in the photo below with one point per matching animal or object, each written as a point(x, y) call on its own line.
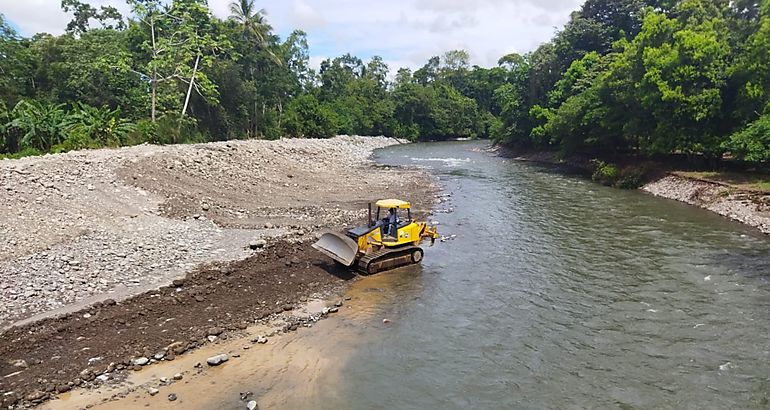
point(99, 226)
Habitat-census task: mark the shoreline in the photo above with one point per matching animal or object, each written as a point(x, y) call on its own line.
point(98, 343)
point(747, 207)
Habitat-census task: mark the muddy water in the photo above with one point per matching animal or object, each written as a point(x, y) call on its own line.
point(556, 293)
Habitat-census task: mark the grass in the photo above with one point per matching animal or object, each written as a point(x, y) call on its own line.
point(744, 181)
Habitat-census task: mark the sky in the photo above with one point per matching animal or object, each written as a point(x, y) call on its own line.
point(405, 33)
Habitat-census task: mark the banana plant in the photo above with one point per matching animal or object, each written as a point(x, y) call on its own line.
point(100, 125)
point(42, 125)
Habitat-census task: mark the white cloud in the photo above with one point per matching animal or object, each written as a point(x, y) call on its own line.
point(403, 32)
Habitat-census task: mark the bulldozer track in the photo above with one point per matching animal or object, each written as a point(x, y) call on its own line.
point(385, 259)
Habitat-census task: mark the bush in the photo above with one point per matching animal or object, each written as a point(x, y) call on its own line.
point(752, 143)
point(631, 177)
point(26, 152)
point(604, 173)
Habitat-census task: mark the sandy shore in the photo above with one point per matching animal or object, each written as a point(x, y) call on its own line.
point(92, 240)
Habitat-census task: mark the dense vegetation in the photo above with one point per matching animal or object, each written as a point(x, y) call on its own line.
point(639, 77)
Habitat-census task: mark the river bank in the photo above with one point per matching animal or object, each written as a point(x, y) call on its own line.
point(750, 207)
point(92, 240)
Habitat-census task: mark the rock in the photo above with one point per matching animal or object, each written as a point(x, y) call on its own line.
point(159, 356)
point(205, 206)
point(287, 307)
point(177, 376)
point(252, 405)
point(20, 363)
point(141, 361)
point(63, 388)
point(217, 360)
point(338, 304)
point(334, 310)
point(103, 378)
point(87, 375)
point(385, 320)
point(153, 391)
point(110, 302)
point(35, 396)
point(178, 283)
point(215, 331)
point(212, 338)
point(172, 397)
point(262, 340)
point(257, 244)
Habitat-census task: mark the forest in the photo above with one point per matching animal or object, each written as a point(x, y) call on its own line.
point(638, 77)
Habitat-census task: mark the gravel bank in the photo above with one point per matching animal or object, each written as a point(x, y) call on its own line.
point(749, 208)
point(89, 225)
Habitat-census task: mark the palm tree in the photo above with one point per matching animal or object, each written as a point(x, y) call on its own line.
point(255, 30)
point(253, 22)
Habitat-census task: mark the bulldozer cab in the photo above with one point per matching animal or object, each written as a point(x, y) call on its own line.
point(396, 214)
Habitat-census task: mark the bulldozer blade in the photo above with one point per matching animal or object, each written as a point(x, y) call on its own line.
point(338, 247)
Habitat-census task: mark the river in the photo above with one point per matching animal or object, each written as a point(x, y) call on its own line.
point(560, 293)
point(555, 293)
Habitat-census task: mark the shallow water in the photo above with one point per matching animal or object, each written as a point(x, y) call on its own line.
point(556, 293)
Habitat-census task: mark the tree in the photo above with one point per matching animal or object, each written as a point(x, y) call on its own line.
point(83, 13)
point(181, 44)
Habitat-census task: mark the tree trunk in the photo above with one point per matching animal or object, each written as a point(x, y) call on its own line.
point(154, 97)
point(192, 81)
point(280, 114)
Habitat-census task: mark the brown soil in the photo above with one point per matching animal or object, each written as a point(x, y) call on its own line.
point(170, 320)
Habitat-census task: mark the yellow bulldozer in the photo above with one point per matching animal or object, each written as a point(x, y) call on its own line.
point(381, 244)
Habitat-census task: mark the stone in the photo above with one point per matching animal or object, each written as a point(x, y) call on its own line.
point(217, 360)
point(172, 397)
point(338, 304)
point(177, 376)
point(215, 331)
point(334, 310)
point(257, 244)
point(205, 206)
point(141, 361)
point(252, 405)
point(153, 391)
point(110, 302)
point(178, 283)
point(211, 338)
point(20, 363)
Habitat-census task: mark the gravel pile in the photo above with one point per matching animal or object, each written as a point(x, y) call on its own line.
point(109, 223)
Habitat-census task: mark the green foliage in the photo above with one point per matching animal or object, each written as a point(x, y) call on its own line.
point(751, 143)
point(641, 77)
point(604, 173)
point(630, 177)
point(306, 117)
point(41, 125)
point(101, 125)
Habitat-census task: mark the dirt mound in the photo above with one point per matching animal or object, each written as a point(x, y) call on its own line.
point(57, 354)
